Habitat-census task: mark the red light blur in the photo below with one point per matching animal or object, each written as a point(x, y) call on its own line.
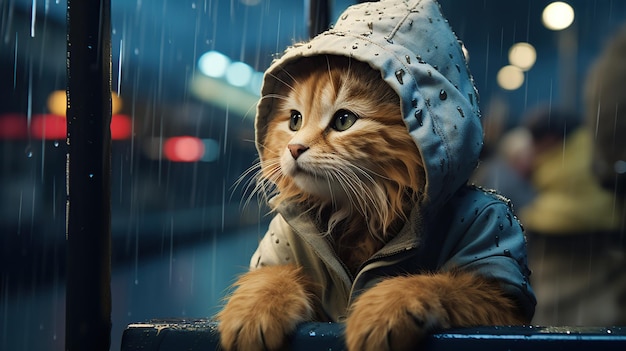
point(13, 126)
point(121, 127)
point(54, 127)
point(48, 127)
point(183, 149)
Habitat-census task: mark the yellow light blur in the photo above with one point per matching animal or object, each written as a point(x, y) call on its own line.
point(116, 103)
point(522, 55)
point(57, 103)
point(557, 15)
point(510, 77)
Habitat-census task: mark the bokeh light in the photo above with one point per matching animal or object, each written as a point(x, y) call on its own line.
point(558, 15)
point(510, 77)
point(523, 56)
point(213, 64)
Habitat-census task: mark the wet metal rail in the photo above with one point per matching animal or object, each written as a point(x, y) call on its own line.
point(190, 335)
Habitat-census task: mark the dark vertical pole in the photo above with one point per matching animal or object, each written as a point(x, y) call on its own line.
point(88, 227)
point(319, 16)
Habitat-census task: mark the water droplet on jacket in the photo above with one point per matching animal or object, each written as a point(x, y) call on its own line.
point(354, 47)
point(312, 333)
point(399, 75)
point(507, 253)
point(471, 98)
point(458, 108)
point(436, 67)
point(508, 216)
point(419, 59)
point(501, 226)
point(277, 241)
point(56, 143)
point(90, 175)
point(430, 19)
point(458, 68)
point(408, 59)
point(430, 74)
point(389, 40)
point(497, 241)
point(414, 103)
point(418, 117)
point(443, 95)
point(370, 25)
point(309, 46)
point(427, 102)
point(344, 16)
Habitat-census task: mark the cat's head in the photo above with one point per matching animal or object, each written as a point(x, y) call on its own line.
point(412, 47)
point(337, 140)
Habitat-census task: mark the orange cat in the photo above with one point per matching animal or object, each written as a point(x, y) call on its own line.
point(367, 135)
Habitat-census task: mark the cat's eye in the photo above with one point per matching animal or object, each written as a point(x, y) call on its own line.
point(343, 119)
point(295, 122)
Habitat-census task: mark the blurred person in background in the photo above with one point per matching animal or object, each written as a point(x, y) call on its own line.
point(508, 169)
point(571, 226)
point(605, 101)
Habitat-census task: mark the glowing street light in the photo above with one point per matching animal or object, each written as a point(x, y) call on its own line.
point(557, 15)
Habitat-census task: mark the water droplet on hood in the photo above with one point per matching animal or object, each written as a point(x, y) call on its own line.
point(507, 253)
point(497, 241)
point(458, 108)
point(418, 117)
point(443, 95)
point(355, 46)
point(399, 75)
point(370, 25)
point(408, 59)
point(414, 103)
point(344, 16)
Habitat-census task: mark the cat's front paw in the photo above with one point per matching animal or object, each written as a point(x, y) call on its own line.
point(266, 307)
point(393, 315)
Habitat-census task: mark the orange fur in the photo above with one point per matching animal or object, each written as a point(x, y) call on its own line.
point(398, 312)
point(372, 172)
point(268, 304)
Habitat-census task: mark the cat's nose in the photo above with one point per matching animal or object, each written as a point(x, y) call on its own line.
point(297, 150)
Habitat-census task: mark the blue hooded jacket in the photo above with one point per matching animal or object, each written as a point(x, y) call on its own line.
point(462, 227)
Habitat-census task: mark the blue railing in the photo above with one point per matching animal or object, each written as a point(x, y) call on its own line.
point(189, 335)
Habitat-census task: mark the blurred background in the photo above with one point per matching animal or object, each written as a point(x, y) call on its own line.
point(186, 77)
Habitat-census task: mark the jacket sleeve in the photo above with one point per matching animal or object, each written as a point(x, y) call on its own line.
point(274, 248)
point(488, 239)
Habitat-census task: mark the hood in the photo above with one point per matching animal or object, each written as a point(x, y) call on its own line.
point(419, 56)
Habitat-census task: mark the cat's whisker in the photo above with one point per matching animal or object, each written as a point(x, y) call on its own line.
point(293, 79)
